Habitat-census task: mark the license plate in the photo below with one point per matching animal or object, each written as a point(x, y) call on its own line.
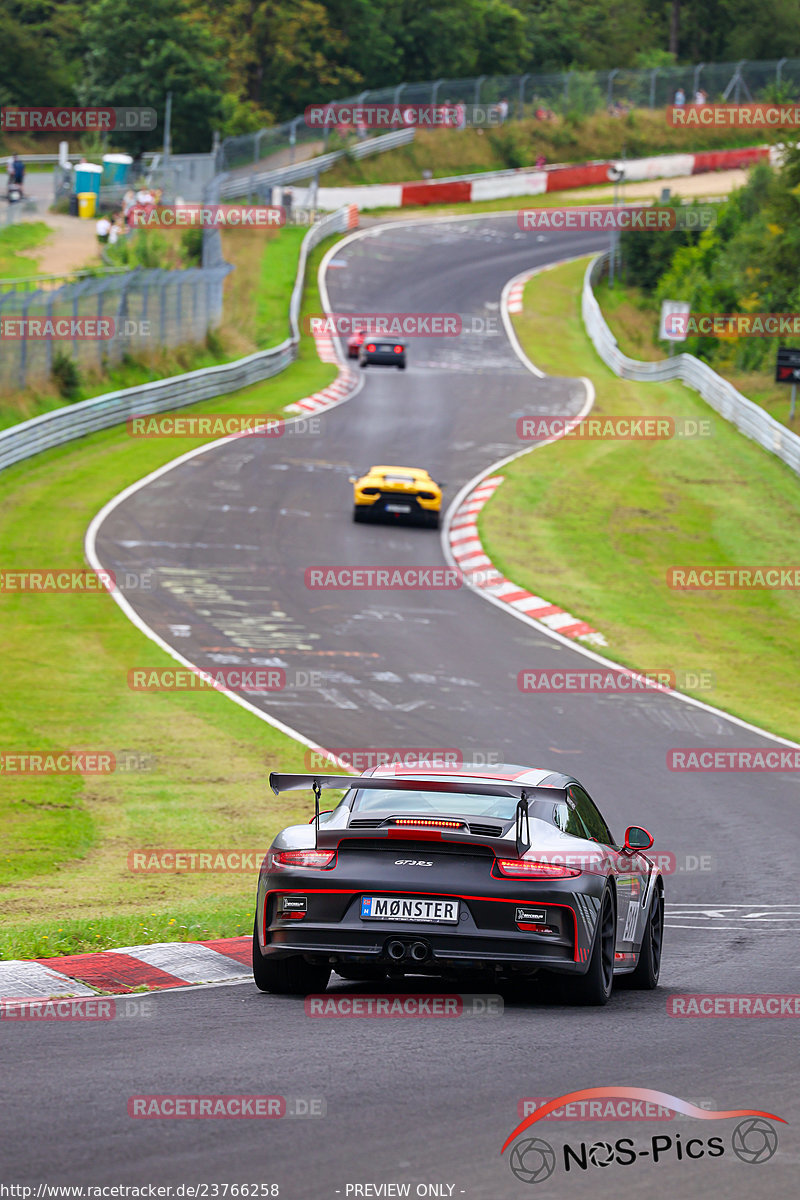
point(385, 349)
point(388, 908)
point(398, 508)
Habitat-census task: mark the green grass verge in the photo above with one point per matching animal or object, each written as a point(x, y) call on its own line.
point(16, 242)
point(633, 318)
point(204, 761)
point(595, 525)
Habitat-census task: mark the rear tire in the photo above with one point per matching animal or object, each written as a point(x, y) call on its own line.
point(287, 976)
point(401, 366)
point(645, 975)
point(358, 516)
point(596, 985)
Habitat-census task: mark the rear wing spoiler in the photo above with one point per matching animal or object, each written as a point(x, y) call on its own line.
point(523, 793)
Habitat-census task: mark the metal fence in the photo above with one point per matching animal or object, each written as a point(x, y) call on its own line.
point(66, 424)
point(749, 418)
point(109, 315)
point(582, 92)
point(261, 183)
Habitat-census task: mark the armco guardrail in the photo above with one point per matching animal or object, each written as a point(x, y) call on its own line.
point(90, 416)
point(749, 418)
point(250, 184)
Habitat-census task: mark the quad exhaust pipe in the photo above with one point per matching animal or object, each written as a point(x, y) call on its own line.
point(400, 951)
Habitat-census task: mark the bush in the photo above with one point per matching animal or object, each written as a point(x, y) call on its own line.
point(512, 146)
point(192, 246)
point(66, 375)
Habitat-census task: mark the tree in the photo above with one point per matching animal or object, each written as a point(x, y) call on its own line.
point(37, 52)
point(134, 55)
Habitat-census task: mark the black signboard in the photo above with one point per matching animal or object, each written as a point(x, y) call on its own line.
point(787, 368)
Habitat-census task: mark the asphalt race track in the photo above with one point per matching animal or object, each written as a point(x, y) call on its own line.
point(230, 534)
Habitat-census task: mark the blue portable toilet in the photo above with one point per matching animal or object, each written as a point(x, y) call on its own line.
point(86, 178)
point(116, 168)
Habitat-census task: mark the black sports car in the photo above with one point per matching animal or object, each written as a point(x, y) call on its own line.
point(382, 352)
point(513, 872)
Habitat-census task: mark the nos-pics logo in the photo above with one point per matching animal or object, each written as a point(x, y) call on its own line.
point(532, 1159)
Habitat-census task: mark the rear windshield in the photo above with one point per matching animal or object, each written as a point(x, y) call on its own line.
point(437, 804)
point(399, 479)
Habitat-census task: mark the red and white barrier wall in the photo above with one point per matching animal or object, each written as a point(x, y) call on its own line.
point(501, 184)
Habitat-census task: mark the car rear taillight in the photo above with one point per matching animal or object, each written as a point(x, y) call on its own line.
point(522, 868)
point(427, 496)
point(370, 349)
point(398, 349)
point(370, 491)
point(315, 860)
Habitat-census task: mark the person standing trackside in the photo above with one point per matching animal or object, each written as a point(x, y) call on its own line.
point(680, 98)
point(103, 229)
point(19, 171)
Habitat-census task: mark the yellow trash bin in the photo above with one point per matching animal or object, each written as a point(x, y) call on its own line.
point(86, 204)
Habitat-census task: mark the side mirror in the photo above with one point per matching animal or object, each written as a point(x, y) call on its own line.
point(323, 812)
point(351, 478)
point(637, 838)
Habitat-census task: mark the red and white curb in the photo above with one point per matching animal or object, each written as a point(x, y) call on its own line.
point(461, 539)
point(130, 968)
point(515, 294)
point(335, 393)
point(471, 558)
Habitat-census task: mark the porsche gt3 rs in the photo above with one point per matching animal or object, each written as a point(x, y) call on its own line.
point(401, 494)
point(438, 872)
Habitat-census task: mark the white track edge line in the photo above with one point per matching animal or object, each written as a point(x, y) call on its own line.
point(90, 550)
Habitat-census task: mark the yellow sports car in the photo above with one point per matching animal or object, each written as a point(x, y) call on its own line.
point(402, 494)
